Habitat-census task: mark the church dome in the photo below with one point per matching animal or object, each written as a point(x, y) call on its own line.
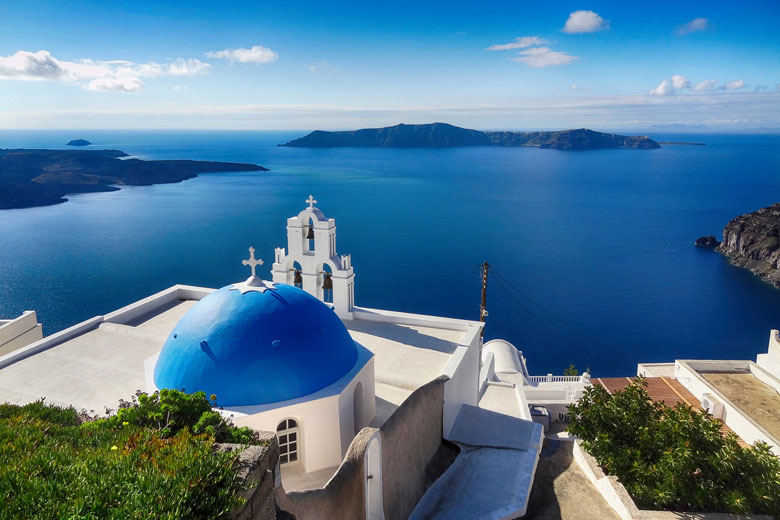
point(256, 347)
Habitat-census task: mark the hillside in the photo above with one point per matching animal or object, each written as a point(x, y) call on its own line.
point(440, 135)
point(31, 178)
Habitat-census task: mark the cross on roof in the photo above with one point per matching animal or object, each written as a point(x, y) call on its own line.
point(311, 201)
point(252, 262)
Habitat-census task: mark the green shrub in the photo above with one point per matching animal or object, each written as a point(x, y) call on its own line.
point(674, 458)
point(153, 459)
point(169, 411)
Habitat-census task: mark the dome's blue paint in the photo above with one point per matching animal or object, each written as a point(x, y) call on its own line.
point(256, 348)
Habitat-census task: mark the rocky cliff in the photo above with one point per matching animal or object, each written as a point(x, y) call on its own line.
point(752, 241)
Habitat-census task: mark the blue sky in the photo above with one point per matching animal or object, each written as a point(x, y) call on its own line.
point(305, 65)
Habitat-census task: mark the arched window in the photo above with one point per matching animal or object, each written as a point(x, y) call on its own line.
point(287, 432)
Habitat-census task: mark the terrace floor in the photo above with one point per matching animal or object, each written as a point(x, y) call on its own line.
point(759, 401)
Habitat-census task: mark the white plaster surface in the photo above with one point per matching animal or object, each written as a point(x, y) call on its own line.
point(492, 476)
point(19, 332)
point(405, 358)
point(94, 369)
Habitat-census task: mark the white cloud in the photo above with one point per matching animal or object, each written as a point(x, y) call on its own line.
point(734, 85)
point(256, 54)
point(697, 24)
point(116, 84)
point(707, 84)
point(116, 75)
point(575, 86)
point(322, 66)
point(190, 67)
point(519, 43)
point(670, 86)
point(543, 57)
point(584, 22)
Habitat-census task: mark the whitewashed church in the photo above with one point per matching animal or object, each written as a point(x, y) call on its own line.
point(377, 413)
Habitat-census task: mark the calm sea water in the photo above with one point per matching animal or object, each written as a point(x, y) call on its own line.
point(593, 251)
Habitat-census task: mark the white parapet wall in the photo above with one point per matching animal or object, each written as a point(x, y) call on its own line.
point(771, 360)
point(19, 332)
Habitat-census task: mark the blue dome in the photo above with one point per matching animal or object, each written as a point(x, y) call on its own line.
point(256, 348)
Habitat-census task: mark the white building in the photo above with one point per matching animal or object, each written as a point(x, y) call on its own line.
point(332, 379)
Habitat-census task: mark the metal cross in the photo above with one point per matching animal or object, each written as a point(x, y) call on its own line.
point(311, 201)
point(252, 262)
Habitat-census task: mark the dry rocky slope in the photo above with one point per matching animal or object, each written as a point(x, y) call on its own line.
point(752, 241)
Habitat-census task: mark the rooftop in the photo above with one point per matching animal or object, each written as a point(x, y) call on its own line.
point(95, 364)
point(757, 400)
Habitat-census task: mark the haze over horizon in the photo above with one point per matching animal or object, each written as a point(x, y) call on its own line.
point(276, 66)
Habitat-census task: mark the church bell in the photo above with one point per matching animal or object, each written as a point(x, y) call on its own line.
point(310, 234)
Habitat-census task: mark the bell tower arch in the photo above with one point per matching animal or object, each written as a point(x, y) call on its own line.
point(311, 243)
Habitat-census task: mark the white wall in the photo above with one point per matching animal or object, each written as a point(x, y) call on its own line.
point(326, 423)
point(19, 332)
point(463, 371)
point(771, 360)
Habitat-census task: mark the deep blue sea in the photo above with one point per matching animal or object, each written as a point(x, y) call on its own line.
point(593, 251)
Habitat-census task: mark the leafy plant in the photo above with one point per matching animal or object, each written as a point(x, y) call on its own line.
point(674, 458)
point(169, 411)
point(571, 371)
point(154, 458)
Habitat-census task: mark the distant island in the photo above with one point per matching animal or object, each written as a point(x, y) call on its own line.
point(441, 135)
point(30, 178)
point(79, 142)
point(752, 241)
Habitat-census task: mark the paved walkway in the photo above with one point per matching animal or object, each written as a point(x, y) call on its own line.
point(561, 491)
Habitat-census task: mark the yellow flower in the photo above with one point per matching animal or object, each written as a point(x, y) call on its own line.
point(125, 423)
point(114, 448)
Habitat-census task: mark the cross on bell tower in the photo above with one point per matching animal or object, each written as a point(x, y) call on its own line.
point(311, 201)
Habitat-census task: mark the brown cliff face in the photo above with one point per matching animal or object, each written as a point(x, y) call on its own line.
point(752, 241)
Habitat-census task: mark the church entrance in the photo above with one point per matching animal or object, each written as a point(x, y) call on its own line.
point(373, 472)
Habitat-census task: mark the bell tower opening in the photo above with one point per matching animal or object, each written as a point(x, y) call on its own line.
point(310, 236)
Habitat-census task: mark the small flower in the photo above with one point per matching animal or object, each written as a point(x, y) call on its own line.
point(113, 448)
point(125, 423)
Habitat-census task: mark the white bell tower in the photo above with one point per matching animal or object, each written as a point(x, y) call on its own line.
point(311, 249)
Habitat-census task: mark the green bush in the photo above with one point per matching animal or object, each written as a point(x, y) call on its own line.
point(674, 458)
point(153, 459)
point(168, 411)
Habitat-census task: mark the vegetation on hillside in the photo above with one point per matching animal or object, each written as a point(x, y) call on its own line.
point(154, 459)
point(674, 458)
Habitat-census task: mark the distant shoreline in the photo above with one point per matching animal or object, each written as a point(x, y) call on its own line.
point(41, 177)
point(681, 143)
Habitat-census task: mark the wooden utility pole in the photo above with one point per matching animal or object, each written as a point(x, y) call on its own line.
point(482, 310)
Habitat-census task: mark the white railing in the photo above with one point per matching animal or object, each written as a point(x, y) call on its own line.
point(549, 378)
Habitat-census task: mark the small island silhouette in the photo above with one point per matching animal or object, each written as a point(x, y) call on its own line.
point(79, 142)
